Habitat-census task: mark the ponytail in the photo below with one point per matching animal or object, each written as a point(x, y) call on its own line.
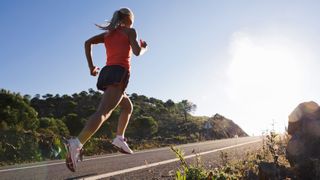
point(113, 24)
point(116, 19)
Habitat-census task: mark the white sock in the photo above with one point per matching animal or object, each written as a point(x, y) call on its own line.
point(78, 143)
point(120, 136)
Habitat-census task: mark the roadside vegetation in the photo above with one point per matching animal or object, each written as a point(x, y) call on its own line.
point(31, 128)
point(268, 161)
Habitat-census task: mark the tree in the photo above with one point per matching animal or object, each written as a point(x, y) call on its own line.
point(57, 126)
point(170, 105)
point(16, 112)
point(18, 122)
point(145, 126)
point(47, 96)
point(74, 123)
point(18, 146)
point(187, 107)
point(134, 96)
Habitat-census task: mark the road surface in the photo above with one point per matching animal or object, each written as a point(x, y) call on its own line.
point(141, 165)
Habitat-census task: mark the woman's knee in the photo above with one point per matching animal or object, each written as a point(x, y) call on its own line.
point(104, 113)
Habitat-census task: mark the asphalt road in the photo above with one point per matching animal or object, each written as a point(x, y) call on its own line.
point(120, 166)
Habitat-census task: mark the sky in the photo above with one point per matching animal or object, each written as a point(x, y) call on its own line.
point(251, 61)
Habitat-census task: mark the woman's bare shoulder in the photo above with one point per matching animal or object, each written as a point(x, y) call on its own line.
point(129, 31)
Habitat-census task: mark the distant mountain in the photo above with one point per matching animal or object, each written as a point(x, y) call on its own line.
point(219, 127)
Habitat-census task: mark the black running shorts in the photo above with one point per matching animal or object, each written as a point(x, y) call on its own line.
point(113, 75)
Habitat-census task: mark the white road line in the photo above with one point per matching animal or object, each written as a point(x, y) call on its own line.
point(29, 167)
point(160, 163)
point(57, 163)
point(87, 159)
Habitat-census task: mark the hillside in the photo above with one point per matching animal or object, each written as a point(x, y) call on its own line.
point(222, 127)
point(38, 123)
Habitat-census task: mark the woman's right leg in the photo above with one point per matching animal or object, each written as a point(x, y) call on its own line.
point(110, 100)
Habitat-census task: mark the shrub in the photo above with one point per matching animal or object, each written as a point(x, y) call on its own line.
point(19, 146)
point(145, 126)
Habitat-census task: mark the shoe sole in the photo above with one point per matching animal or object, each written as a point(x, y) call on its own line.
point(69, 162)
point(121, 150)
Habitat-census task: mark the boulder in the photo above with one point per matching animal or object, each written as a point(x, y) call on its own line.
point(268, 171)
point(303, 149)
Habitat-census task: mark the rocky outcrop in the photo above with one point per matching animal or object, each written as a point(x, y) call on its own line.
point(219, 127)
point(303, 149)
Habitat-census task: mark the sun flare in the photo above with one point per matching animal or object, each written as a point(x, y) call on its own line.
point(264, 76)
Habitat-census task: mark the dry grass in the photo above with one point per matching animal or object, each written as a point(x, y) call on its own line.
point(272, 151)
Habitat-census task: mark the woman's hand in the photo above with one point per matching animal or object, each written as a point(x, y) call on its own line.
point(94, 70)
point(143, 44)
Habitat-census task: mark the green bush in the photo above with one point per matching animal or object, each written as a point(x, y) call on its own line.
point(74, 123)
point(16, 112)
point(145, 126)
point(98, 146)
point(57, 126)
point(19, 146)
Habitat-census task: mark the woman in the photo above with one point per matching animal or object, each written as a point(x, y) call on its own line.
point(120, 40)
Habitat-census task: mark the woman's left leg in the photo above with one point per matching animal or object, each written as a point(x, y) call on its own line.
point(126, 111)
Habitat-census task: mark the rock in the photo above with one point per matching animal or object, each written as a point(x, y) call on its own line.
point(303, 148)
point(268, 171)
point(273, 171)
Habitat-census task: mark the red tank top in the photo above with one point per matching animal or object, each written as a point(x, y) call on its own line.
point(118, 48)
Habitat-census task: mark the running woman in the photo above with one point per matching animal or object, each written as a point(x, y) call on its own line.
point(120, 40)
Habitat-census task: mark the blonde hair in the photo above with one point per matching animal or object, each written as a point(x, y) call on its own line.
point(117, 18)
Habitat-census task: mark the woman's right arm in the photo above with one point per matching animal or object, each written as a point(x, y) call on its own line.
point(87, 46)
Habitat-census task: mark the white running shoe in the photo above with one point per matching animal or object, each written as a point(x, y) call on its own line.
point(121, 145)
point(73, 154)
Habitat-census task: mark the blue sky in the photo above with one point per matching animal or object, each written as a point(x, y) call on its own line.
point(251, 61)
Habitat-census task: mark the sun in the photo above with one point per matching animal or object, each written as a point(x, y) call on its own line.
point(264, 74)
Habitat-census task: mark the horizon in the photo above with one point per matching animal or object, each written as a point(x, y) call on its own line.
point(250, 61)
